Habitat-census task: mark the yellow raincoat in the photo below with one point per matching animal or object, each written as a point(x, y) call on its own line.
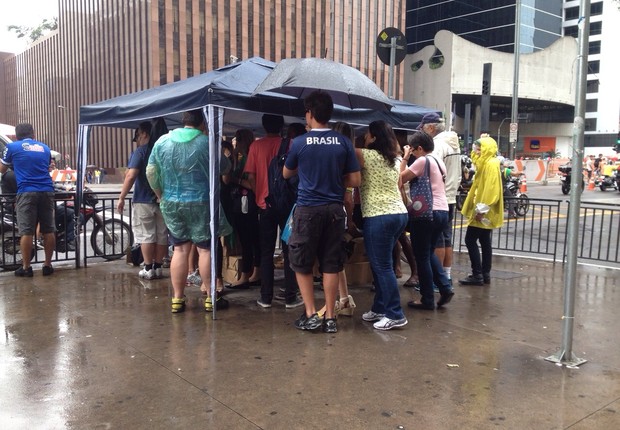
point(487, 186)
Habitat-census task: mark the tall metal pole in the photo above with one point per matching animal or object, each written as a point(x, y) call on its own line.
point(515, 75)
point(391, 68)
point(565, 354)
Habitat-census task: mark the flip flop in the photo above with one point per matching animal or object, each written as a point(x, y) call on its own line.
point(410, 284)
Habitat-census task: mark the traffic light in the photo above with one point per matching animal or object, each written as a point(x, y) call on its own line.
point(485, 88)
point(617, 147)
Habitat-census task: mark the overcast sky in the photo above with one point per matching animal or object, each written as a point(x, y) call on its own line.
point(22, 12)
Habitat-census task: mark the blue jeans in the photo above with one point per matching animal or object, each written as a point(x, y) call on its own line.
point(424, 236)
point(380, 235)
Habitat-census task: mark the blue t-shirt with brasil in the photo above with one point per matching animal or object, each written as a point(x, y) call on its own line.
point(322, 157)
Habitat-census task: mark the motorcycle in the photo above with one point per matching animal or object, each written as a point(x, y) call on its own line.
point(467, 178)
point(565, 179)
point(604, 182)
point(110, 238)
point(11, 255)
point(617, 177)
point(514, 197)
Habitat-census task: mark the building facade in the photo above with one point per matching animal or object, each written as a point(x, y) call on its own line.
point(107, 48)
point(491, 25)
point(603, 87)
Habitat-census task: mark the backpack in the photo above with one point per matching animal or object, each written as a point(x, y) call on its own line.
point(282, 192)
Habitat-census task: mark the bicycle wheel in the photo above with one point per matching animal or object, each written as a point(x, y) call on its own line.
point(112, 240)
point(523, 205)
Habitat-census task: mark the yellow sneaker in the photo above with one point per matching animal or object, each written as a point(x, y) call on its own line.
point(178, 305)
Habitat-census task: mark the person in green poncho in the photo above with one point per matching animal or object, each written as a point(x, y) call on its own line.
point(178, 172)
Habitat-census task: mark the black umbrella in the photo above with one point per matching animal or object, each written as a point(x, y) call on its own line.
point(348, 86)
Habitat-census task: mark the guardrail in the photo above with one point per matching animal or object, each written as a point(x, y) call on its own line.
point(100, 232)
point(542, 232)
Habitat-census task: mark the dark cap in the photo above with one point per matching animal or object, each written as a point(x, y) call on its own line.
point(430, 118)
point(135, 135)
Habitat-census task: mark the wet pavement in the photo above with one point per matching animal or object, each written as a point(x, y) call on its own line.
point(97, 348)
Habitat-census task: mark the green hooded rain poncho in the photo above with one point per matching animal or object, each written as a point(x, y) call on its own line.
point(179, 168)
point(487, 186)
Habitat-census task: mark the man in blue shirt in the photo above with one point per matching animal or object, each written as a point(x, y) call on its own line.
point(30, 160)
point(326, 164)
point(148, 226)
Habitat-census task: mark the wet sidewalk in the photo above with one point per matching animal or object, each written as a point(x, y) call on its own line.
point(97, 348)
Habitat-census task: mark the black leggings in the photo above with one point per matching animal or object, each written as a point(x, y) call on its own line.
point(482, 235)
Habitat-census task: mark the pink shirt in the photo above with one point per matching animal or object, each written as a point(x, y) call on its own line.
point(440, 203)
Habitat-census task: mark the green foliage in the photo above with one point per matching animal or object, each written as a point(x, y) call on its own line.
point(34, 33)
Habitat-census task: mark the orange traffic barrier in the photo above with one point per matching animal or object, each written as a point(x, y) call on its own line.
point(591, 183)
point(64, 175)
point(523, 187)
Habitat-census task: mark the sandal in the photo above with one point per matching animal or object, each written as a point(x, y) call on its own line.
point(345, 306)
point(411, 283)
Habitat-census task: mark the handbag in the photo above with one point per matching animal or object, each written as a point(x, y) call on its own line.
point(421, 207)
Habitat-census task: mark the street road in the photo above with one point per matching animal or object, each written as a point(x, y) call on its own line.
point(553, 191)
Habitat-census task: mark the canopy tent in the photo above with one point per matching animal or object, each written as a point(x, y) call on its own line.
point(230, 87)
point(225, 96)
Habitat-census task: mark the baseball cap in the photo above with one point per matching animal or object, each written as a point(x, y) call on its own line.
point(135, 135)
point(430, 118)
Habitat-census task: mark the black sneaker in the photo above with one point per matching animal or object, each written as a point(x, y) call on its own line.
point(47, 270)
point(26, 273)
point(472, 280)
point(308, 323)
point(329, 325)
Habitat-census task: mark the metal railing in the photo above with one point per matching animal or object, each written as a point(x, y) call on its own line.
point(542, 232)
point(104, 236)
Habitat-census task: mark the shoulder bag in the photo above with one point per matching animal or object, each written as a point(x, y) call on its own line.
point(421, 207)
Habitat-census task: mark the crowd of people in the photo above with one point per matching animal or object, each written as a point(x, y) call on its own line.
point(338, 186)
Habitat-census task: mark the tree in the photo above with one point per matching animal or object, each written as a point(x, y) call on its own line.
point(34, 33)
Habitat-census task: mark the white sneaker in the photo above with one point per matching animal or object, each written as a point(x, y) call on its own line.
point(371, 316)
point(194, 278)
point(159, 274)
point(386, 323)
point(147, 274)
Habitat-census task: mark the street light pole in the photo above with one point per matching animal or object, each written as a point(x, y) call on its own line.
point(565, 354)
point(515, 79)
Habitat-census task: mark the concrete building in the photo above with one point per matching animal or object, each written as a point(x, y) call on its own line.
point(106, 48)
point(603, 88)
point(546, 72)
point(546, 90)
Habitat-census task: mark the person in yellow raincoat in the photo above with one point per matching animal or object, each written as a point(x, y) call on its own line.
point(484, 210)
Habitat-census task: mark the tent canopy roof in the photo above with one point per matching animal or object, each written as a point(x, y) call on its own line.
point(230, 87)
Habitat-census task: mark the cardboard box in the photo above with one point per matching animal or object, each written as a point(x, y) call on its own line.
point(359, 251)
point(358, 273)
